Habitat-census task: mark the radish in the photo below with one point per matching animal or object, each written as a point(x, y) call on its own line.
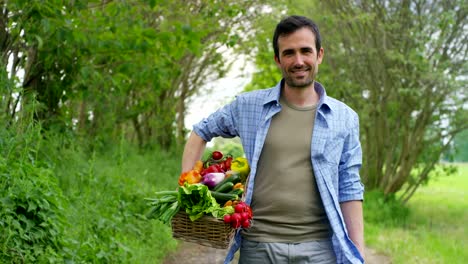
point(240, 208)
point(236, 220)
point(245, 216)
point(245, 223)
point(227, 219)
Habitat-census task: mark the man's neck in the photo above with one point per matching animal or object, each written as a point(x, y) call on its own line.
point(301, 97)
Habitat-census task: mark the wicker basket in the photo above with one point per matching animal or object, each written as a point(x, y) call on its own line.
point(207, 231)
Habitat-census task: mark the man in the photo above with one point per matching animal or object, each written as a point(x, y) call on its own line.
point(304, 151)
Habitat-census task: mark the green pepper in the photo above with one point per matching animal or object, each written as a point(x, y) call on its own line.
point(241, 165)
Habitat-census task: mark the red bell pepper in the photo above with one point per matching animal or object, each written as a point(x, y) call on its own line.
point(212, 168)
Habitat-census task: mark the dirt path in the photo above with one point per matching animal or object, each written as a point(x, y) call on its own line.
point(189, 253)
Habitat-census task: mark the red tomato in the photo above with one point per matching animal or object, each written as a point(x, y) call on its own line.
point(217, 155)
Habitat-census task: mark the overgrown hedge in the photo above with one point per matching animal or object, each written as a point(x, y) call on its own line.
point(32, 206)
point(60, 203)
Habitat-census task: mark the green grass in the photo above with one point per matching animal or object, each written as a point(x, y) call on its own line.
point(106, 192)
point(431, 229)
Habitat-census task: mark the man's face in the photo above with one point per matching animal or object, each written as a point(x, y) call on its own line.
point(298, 58)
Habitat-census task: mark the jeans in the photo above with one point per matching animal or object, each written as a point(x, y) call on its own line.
point(316, 252)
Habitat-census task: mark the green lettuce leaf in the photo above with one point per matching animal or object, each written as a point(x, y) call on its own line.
point(197, 201)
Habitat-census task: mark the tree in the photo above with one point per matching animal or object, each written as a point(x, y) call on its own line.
point(459, 150)
point(108, 70)
point(402, 66)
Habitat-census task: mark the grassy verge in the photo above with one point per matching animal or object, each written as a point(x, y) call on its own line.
point(106, 194)
point(431, 229)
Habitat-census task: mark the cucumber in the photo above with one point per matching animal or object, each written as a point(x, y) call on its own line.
point(224, 188)
point(224, 196)
point(237, 191)
point(235, 178)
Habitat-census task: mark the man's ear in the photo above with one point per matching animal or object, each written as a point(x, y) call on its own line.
point(277, 60)
point(320, 55)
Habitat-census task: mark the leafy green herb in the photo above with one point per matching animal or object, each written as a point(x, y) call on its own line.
point(164, 206)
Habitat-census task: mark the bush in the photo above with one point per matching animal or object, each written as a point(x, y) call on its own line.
point(62, 203)
point(31, 204)
point(386, 211)
point(106, 191)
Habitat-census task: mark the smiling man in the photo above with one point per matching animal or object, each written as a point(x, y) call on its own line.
point(304, 152)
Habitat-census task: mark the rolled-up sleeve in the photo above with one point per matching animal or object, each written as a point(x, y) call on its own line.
point(221, 123)
point(350, 185)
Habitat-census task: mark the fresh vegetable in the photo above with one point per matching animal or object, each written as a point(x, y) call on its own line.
point(238, 185)
point(239, 208)
point(241, 217)
point(217, 155)
point(196, 200)
point(198, 166)
point(236, 220)
point(218, 180)
point(245, 223)
point(227, 210)
point(190, 177)
point(228, 203)
point(234, 179)
point(227, 219)
point(239, 192)
point(222, 161)
point(164, 206)
point(222, 197)
point(241, 165)
point(227, 163)
point(212, 168)
point(225, 187)
point(212, 179)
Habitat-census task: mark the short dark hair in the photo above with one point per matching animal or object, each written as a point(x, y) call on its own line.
point(292, 23)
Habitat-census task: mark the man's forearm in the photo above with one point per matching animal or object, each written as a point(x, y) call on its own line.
point(353, 217)
point(193, 151)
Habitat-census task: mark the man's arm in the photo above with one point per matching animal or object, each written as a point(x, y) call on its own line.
point(353, 217)
point(193, 151)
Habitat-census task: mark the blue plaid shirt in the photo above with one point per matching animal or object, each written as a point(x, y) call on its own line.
point(335, 151)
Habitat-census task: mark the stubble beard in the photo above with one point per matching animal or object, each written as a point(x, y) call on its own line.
point(299, 84)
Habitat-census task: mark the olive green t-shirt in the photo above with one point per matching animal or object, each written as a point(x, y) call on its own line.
point(286, 203)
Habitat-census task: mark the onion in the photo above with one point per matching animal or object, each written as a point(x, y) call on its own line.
point(212, 179)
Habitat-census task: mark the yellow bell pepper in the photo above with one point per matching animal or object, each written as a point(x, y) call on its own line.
point(241, 165)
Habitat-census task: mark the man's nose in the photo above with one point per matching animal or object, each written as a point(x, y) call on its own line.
point(298, 60)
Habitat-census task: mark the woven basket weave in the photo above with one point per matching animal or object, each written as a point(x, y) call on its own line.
point(207, 230)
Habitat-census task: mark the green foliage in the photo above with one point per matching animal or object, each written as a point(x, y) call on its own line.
point(105, 69)
point(384, 210)
point(61, 202)
point(404, 82)
point(433, 231)
point(106, 190)
point(32, 206)
point(459, 151)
